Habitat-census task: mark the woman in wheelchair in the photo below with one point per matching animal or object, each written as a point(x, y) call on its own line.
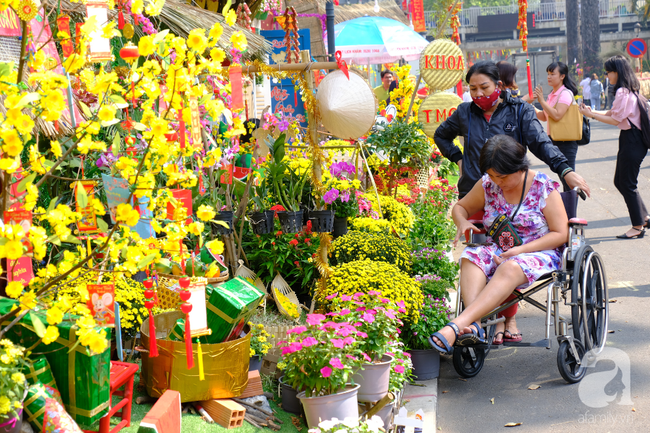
point(519, 254)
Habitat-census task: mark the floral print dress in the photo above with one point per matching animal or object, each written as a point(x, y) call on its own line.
point(530, 224)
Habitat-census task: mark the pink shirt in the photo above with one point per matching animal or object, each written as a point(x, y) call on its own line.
point(562, 96)
point(624, 107)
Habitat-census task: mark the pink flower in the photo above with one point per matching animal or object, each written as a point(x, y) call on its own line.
point(362, 334)
point(358, 295)
point(344, 312)
point(366, 357)
point(361, 309)
point(373, 293)
point(338, 343)
point(390, 314)
point(368, 317)
point(309, 341)
point(385, 301)
point(408, 355)
point(402, 310)
point(293, 347)
point(297, 330)
point(315, 319)
point(336, 363)
point(346, 298)
point(330, 325)
point(399, 369)
point(349, 340)
point(326, 372)
point(332, 296)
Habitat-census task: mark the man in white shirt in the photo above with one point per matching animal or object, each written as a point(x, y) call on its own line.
point(466, 96)
point(586, 90)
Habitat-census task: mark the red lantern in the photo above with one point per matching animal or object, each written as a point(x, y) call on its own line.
point(149, 304)
point(129, 53)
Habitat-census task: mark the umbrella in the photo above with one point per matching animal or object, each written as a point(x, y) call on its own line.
point(377, 40)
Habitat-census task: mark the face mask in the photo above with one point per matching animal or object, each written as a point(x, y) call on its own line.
point(487, 102)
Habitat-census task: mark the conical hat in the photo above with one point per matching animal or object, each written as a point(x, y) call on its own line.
point(348, 107)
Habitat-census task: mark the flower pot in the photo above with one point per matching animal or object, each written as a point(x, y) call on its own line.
point(373, 380)
point(386, 414)
point(426, 363)
point(227, 217)
point(325, 407)
point(290, 402)
point(322, 221)
point(262, 222)
point(255, 363)
point(305, 214)
point(340, 227)
point(13, 425)
point(291, 222)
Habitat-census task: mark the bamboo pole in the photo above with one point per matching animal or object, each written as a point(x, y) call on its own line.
point(305, 66)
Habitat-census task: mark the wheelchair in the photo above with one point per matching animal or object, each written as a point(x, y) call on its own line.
point(577, 305)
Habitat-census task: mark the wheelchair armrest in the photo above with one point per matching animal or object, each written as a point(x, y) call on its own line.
point(573, 222)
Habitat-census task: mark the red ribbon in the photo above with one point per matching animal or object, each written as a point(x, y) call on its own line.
point(153, 346)
point(188, 343)
point(342, 65)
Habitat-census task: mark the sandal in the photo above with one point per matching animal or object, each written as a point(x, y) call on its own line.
point(476, 337)
point(447, 349)
point(496, 341)
point(514, 338)
point(636, 236)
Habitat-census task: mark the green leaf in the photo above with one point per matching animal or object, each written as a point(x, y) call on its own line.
point(22, 186)
point(107, 123)
point(72, 240)
point(139, 126)
point(28, 99)
point(82, 195)
point(75, 163)
point(55, 240)
point(145, 261)
point(101, 224)
point(116, 144)
point(85, 109)
point(48, 164)
point(221, 223)
point(52, 204)
point(160, 36)
point(74, 346)
point(6, 68)
point(39, 328)
point(3, 241)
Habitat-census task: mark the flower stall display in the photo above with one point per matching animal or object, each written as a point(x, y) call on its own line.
point(13, 384)
point(377, 246)
point(259, 344)
point(399, 215)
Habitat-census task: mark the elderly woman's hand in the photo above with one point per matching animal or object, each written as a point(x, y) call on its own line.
point(507, 254)
point(462, 228)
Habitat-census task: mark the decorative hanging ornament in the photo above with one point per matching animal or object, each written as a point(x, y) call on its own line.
point(27, 10)
point(291, 40)
point(149, 303)
point(129, 53)
point(186, 308)
point(128, 31)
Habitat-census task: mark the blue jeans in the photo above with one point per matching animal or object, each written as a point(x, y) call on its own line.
point(595, 103)
point(570, 150)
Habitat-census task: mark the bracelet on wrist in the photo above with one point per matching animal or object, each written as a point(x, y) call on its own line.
point(565, 172)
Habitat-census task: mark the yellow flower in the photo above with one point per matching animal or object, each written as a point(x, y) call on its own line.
point(14, 289)
point(196, 40)
point(239, 41)
point(5, 404)
point(205, 213)
point(18, 377)
point(217, 54)
point(13, 145)
point(51, 334)
point(54, 316)
point(27, 301)
point(215, 32)
point(136, 7)
point(106, 113)
point(146, 46)
point(56, 148)
point(231, 17)
point(13, 250)
point(216, 246)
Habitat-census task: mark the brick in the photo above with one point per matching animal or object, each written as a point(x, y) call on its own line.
point(226, 413)
point(254, 386)
point(164, 416)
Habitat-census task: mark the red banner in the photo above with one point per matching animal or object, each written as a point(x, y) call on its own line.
point(9, 23)
point(419, 25)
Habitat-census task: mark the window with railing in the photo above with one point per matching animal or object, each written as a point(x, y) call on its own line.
point(544, 12)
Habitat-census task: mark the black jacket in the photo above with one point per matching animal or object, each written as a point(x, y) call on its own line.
point(506, 119)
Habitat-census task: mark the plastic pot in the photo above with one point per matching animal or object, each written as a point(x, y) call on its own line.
point(426, 363)
point(341, 405)
point(373, 380)
point(322, 221)
point(291, 222)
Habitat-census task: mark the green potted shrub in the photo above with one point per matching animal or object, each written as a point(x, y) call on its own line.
point(13, 386)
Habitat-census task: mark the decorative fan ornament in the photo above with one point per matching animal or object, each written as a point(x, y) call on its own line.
point(27, 10)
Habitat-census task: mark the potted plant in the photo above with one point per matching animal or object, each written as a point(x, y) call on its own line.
point(341, 195)
point(259, 345)
point(350, 425)
point(320, 358)
point(261, 220)
point(434, 314)
point(378, 320)
point(13, 386)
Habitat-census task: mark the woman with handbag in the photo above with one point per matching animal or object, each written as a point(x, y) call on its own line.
point(626, 114)
point(560, 111)
point(531, 227)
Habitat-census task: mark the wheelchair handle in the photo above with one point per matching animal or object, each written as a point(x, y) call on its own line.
point(580, 192)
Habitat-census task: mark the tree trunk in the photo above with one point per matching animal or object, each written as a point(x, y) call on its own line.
point(590, 32)
point(572, 49)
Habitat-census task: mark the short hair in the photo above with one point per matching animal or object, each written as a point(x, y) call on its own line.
point(386, 71)
point(504, 155)
point(507, 72)
point(485, 67)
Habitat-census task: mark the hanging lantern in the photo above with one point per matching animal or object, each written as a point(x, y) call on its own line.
point(186, 308)
point(99, 47)
point(149, 304)
point(129, 53)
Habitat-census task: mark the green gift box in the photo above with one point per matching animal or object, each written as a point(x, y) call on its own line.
point(82, 379)
point(229, 307)
point(34, 404)
point(178, 333)
point(40, 372)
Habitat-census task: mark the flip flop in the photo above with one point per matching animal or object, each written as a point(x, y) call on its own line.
point(496, 342)
point(476, 337)
point(447, 349)
point(514, 338)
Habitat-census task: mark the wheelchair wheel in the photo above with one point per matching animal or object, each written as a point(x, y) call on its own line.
point(468, 360)
point(569, 368)
point(590, 304)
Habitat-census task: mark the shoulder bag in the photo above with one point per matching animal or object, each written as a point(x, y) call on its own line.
point(502, 232)
point(569, 127)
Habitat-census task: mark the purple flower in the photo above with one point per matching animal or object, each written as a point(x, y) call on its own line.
point(331, 195)
point(345, 196)
point(339, 168)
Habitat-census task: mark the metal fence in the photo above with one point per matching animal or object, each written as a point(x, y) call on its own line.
point(544, 12)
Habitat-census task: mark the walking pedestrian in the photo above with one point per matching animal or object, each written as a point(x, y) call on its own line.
point(596, 89)
point(626, 114)
point(507, 74)
point(490, 113)
point(382, 92)
point(556, 106)
point(609, 93)
point(586, 90)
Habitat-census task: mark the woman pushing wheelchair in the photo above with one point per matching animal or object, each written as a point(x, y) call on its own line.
point(528, 226)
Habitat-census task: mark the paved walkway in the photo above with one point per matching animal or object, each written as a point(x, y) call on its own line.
point(500, 393)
